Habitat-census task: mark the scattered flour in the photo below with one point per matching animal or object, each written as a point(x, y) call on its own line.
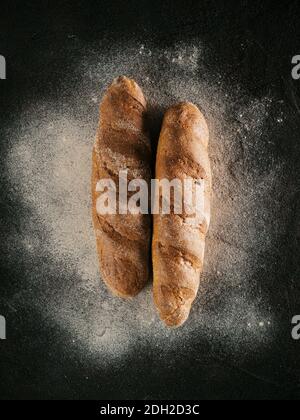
point(49, 168)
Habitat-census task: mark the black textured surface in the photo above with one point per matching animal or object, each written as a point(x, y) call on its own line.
point(35, 361)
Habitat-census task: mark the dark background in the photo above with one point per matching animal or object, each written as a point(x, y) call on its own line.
point(271, 32)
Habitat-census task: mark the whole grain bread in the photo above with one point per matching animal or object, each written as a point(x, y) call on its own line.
point(179, 239)
point(122, 143)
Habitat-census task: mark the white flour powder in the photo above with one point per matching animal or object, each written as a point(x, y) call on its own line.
point(49, 167)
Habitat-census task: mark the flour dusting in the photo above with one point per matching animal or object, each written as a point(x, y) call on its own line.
point(49, 168)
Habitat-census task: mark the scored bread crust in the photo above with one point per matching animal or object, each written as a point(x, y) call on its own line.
point(122, 143)
point(179, 240)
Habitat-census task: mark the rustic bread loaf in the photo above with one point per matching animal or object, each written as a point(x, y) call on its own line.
point(179, 239)
point(122, 143)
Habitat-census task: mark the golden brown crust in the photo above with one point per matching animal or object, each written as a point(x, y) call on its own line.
point(179, 240)
point(123, 241)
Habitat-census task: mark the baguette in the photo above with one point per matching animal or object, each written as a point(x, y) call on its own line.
point(122, 143)
point(179, 240)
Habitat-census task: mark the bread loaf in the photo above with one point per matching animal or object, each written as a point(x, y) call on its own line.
point(178, 239)
point(122, 143)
